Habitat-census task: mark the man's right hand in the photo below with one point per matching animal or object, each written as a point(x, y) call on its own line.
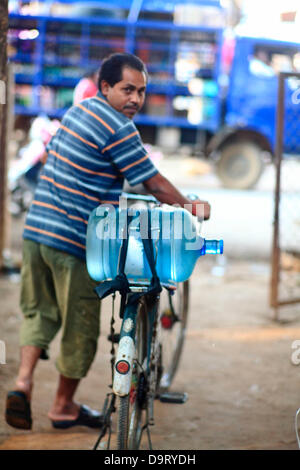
point(201, 209)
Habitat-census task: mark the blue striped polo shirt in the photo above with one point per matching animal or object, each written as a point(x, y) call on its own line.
point(91, 154)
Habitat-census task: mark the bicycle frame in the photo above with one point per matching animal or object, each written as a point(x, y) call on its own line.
point(139, 304)
point(137, 368)
point(126, 350)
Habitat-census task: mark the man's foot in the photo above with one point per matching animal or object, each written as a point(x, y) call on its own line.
point(18, 412)
point(86, 417)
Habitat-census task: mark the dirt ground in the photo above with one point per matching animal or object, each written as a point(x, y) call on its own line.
point(237, 369)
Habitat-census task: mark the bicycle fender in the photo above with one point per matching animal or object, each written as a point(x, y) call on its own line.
point(126, 353)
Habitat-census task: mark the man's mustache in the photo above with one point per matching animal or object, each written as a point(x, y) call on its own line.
point(131, 107)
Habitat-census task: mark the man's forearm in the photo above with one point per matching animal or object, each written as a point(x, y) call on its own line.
point(165, 192)
point(161, 188)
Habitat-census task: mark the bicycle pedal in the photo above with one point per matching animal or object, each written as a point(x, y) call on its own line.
point(115, 338)
point(173, 397)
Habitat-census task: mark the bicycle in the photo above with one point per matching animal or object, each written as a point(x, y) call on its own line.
point(142, 369)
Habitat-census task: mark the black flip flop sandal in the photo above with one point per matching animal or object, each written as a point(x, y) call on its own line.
point(18, 412)
point(87, 417)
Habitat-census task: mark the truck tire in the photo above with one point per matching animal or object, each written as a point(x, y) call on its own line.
point(240, 165)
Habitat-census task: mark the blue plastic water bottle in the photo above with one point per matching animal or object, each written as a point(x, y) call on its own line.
point(176, 242)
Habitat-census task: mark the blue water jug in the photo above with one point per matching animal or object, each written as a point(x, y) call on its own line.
point(174, 233)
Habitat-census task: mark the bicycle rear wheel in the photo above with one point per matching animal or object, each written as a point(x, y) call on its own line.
point(131, 406)
point(173, 319)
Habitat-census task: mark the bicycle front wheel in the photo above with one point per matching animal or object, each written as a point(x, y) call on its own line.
point(173, 318)
point(132, 406)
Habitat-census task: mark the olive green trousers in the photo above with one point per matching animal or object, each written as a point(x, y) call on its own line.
point(57, 295)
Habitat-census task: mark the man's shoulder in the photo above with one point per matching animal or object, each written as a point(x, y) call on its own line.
point(97, 107)
point(97, 110)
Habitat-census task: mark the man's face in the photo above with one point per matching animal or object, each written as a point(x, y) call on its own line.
point(128, 95)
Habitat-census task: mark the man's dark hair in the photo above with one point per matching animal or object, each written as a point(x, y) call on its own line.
point(112, 67)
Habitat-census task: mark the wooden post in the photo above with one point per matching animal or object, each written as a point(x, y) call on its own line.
point(275, 261)
point(3, 121)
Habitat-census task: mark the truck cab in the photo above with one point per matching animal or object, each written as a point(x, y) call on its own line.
point(249, 131)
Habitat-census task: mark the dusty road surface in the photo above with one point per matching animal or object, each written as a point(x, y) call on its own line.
point(237, 368)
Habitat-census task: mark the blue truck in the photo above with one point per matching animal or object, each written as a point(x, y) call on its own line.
point(247, 132)
point(234, 120)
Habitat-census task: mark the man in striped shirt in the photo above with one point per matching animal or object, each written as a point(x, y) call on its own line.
point(96, 147)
